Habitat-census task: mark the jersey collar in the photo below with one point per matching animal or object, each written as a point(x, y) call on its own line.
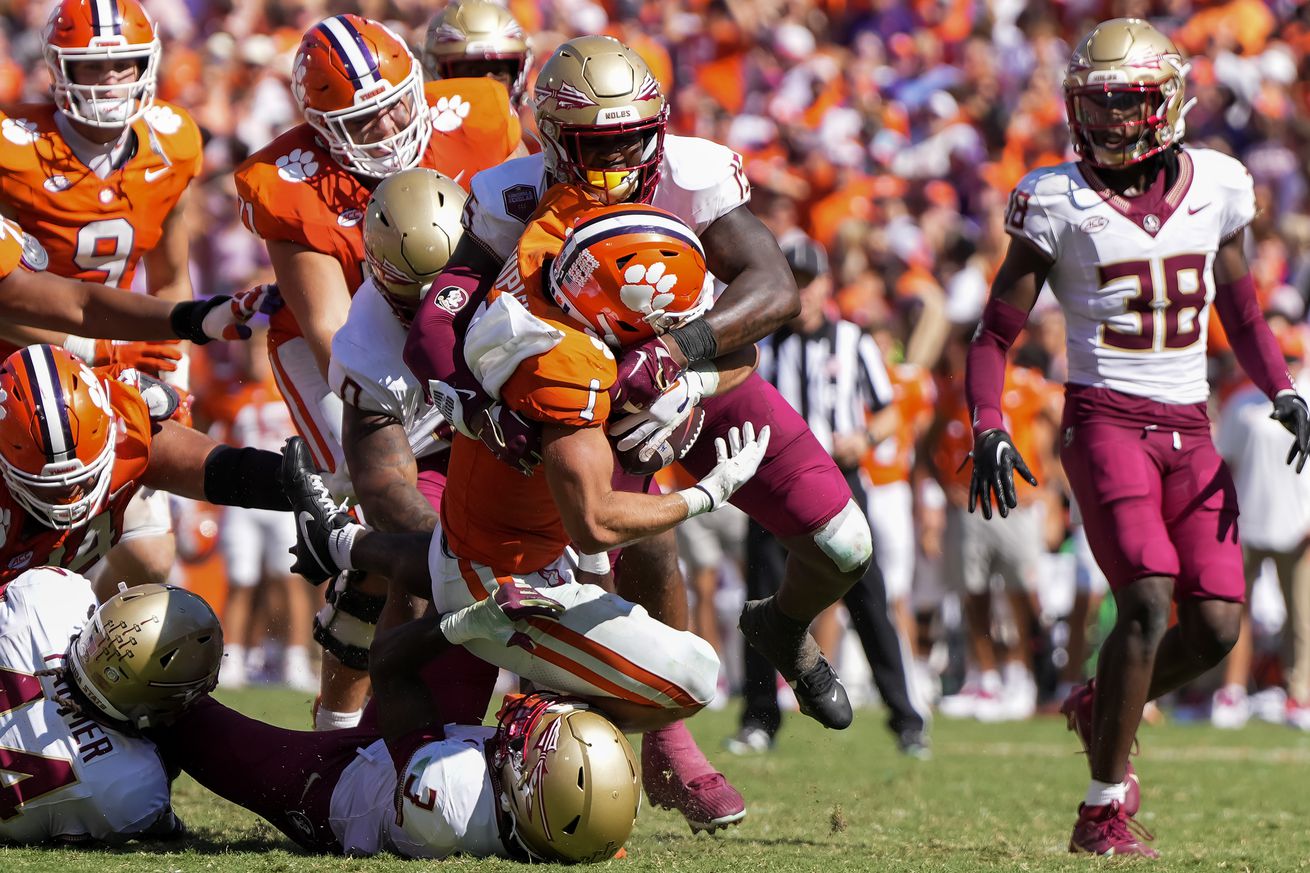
point(1153, 207)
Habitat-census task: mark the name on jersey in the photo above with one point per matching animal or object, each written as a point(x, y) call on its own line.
point(510, 281)
point(92, 741)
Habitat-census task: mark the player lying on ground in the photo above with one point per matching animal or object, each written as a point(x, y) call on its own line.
point(77, 684)
point(1136, 239)
point(76, 444)
point(554, 781)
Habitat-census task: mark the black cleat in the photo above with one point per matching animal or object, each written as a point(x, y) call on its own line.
point(792, 651)
point(822, 697)
point(317, 516)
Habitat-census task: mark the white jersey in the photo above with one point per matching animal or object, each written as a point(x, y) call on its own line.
point(444, 805)
point(700, 181)
point(62, 775)
point(368, 370)
point(1135, 275)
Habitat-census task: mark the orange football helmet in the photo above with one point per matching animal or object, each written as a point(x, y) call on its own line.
point(57, 436)
point(85, 31)
point(629, 272)
point(361, 89)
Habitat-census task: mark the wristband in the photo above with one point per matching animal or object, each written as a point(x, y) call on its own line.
point(187, 319)
point(81, 347)
point(697, 341)
point(698, 500)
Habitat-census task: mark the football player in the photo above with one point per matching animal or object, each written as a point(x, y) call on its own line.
point(470, 39)
point(394, 440)
point(46, 301)
point(99, 176)
point(553, 782)
point(535, 346)
point(1137, 238)
point(368, 115)
point(76, 445)
point(77, 684)
point(602, 118)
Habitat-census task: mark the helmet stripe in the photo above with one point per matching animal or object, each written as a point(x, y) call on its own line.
point(349, 45)
point(51, 410)
point(105, 18)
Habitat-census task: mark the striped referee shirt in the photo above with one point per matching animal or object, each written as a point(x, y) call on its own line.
point(833, 377)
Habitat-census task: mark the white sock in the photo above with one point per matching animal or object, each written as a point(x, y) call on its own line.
point(235, 652)
point(991, 682)
point(331, 720)
point(1103, 793)
point(1017, 675)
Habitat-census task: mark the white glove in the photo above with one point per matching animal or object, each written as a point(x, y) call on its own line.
point(650, 428)
point(739, 458)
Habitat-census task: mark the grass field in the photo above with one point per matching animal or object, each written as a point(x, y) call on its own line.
point(995, 797)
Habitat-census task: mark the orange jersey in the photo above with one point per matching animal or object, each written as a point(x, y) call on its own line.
point(246, 412)
point(913, 395)
point(293, 191)
point(491, 513)
point(25, 543)
point(95, 229)
point(1027, 395)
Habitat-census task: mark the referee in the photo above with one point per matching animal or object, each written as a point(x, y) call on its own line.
point(832, 373)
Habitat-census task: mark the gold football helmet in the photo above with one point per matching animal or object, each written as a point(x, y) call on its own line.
point(566, 777)
point(411, 226)
point(601, 115)
point(474, 38)
point(1124, 93)
point(147, 653)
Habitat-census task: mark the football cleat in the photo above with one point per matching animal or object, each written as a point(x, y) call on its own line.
point(750, 740)
point(1077, 710)
point(707, 801)
point(1110, 830)
point(317, 516)
point(819, 693)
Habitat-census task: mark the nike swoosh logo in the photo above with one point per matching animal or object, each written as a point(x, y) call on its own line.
point(1191, 211)
point(152, 175)
point(834, 695)
point(303, 520)
point(464, 392)
point(1000, 448)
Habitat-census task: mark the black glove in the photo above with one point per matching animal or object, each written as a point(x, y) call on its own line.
point(317, 516)
point(1291, 412)
point(995, 461)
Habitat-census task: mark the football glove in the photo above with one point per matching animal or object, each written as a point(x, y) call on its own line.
point(650, 429)
point(222, 317)
point(511, 438)
point(995, 461)
point(738, 459)
point(151, 358)
point(1291, 412)
point(645, 371)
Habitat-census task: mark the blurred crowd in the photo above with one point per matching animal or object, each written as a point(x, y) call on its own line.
point(891, 133)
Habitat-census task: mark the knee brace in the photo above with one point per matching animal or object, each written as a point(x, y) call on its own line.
point(846, 539)
point(347, 622)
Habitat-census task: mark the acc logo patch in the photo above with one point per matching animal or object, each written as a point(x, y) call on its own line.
point(451, 298)
point(1093, 224)
point(56, 183)
point(520, 201)
point(18, 562)
point(350, 217)
point(35, 256)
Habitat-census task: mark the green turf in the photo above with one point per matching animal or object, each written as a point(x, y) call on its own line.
point(995, 797)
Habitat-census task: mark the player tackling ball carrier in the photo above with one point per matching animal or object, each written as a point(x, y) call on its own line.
point(1137, 239)
point(602, 119)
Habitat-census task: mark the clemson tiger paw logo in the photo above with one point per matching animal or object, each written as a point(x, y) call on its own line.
point(449, 113)
point(647, 288)
point(19, 131)
point(297, 166)
point(163, 119)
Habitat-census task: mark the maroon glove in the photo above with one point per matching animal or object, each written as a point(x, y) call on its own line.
point(645, 372)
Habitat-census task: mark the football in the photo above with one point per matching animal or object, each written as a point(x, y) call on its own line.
point(675, 448)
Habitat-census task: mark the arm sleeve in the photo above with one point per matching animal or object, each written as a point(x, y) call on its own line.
point(1249, 335)
point(984, 377)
